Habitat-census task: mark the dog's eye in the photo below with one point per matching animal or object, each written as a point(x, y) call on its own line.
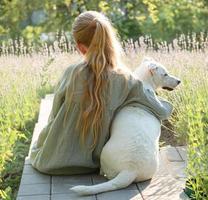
point(165, 74)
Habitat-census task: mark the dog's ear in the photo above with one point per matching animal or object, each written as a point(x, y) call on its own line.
point(152, 68)
point(148, 59)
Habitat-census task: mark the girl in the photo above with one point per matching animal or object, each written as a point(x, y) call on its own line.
point(87, 97)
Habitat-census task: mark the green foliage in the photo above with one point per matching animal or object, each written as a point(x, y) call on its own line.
point(162, 19)
point(197, 169)
point(20, 90)
point(191, 123)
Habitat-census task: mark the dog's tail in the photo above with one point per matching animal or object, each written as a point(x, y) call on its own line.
point(122, 180)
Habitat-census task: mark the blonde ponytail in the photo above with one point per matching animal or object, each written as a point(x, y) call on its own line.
point(95, 31)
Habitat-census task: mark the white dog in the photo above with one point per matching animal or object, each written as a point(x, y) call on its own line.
point(133, 157)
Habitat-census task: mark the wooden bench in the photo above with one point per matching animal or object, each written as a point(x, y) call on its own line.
point(167, 184)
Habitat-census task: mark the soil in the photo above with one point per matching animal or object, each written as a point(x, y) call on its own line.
point(168, 136)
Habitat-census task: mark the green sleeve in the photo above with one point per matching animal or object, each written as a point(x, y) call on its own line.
point(137, 95)
point(59, 95)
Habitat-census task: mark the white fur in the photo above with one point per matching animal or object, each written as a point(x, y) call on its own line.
point(131, 154)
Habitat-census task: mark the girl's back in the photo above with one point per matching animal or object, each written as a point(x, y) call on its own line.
point(87, 98)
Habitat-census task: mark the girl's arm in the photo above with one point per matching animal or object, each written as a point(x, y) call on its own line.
point(59, 96)
point(137, 95)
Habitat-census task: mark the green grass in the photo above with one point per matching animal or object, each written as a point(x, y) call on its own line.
point(18, 113)
point(21, 90)
point(26, 79)
point(191, 123)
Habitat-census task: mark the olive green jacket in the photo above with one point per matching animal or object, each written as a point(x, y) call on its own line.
point(57, 149)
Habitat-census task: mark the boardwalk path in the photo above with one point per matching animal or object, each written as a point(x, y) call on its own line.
point(167, 184)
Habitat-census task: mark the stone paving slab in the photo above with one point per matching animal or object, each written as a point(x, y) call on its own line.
point(120, 195)
point(176, 196)
point(71, 197)
point(27, 160)
point(45, 108)
point(64, 188)
point(28, 169)
point(35, 178)
point(160, 186)
point(171, 154)
point(36, 197)
point(61, 184)
point(34, 189)
point(182, 150)
point(167, 184)
point(96, 179)
point(174, 163)
point(85, 178)
point(177, 169)
point(36, 132)
point(162, 169)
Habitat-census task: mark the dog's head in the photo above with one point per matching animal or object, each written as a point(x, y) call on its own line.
point(156, 74)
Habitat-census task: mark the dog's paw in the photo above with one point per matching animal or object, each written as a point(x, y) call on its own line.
point(81, 189)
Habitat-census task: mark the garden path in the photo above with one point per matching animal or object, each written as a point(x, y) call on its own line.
point(167, 184)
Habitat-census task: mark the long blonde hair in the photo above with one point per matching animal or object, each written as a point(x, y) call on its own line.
point(94, 30)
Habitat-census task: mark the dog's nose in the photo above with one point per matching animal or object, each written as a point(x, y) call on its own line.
point(179, 81)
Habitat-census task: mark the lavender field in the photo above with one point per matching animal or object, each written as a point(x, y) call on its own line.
point(26, 78)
